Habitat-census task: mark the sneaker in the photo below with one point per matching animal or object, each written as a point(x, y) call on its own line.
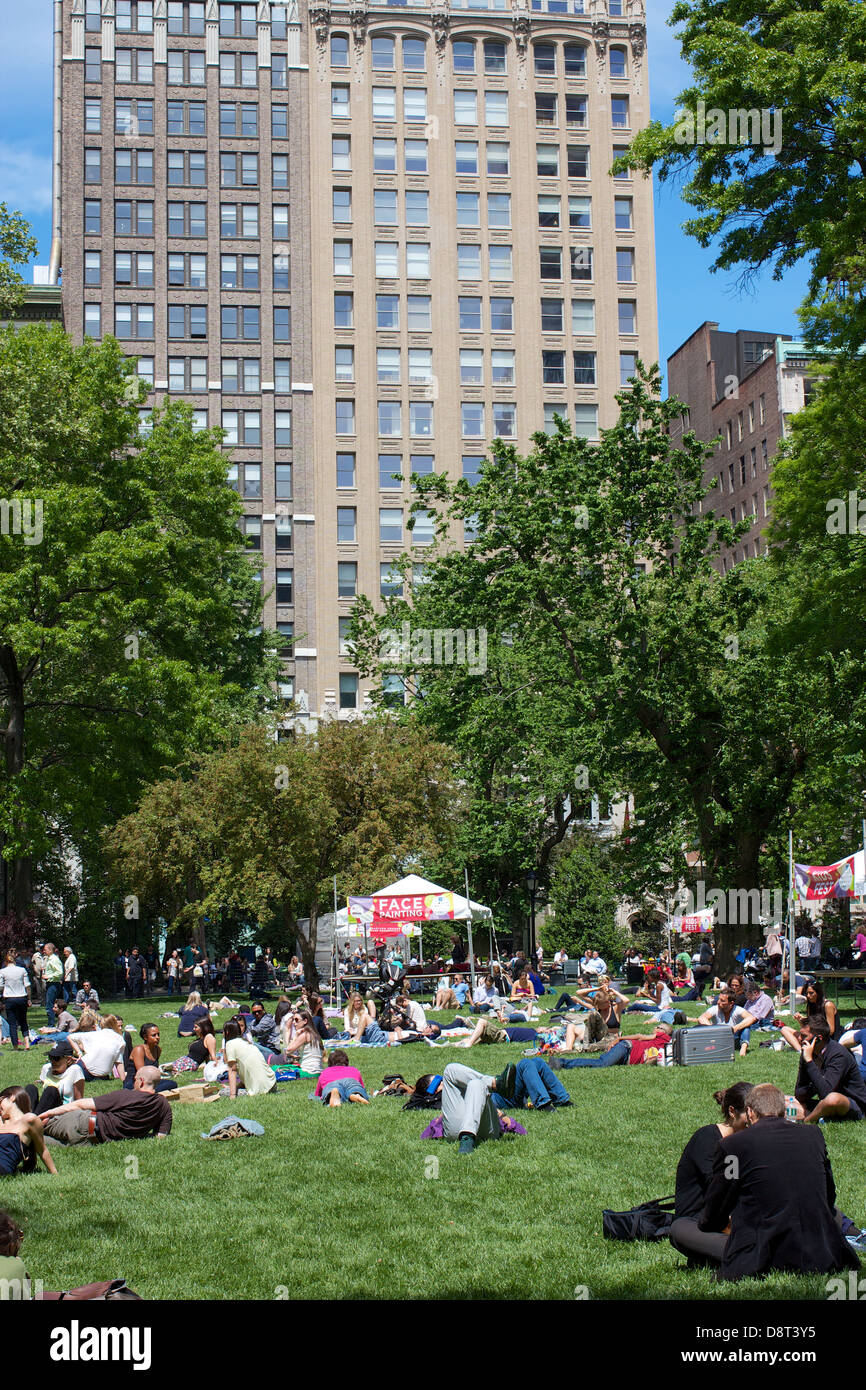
point(505, 1082)
point(857, 1243)
point(466, 1145)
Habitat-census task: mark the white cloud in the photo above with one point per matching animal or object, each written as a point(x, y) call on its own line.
point(25, 179)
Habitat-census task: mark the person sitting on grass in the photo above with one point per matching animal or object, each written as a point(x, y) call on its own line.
point(362, 1025)
point(193, 1009)
point(485, 998)
point(62, 1080)
point(246, 1064)
point(114, 1115)
point(98, 1050)
point(855, 1040)
point(770, 1204)
point(829, 1084)
point(684, 981)
point(759, 1005)
point(301, 1042)
point(203, 1048)
point(523, 993)
point(817, 1006)
point(339, 1082)
point(445, 996)
point(726, 1013)
point(145, 1054)
point(263, 1030)
point(695, 1168)
point(653, 995)
point(22, 1137)
point(607, 1002)
point(87, 997)
point(631, 1051)
point(15, 1283)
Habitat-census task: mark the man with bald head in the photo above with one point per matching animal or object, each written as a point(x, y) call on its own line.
point(135, 1114)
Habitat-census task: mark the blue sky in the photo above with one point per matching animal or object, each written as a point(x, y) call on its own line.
point(687, 292)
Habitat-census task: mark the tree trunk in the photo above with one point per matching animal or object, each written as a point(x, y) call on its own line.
point(307, 944)
point(19, 880)
point(739, 923)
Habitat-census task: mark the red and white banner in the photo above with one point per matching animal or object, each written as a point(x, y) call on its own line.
point(817, 882)
point(402, 908)
point(696, 922)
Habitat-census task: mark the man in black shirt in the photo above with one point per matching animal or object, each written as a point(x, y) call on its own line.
point(114, 1115)
point(829, 1084)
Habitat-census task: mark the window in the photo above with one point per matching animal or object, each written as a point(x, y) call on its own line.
point(93, 320)
point(551, 316)
point(135, 117)
point(472, 419)
point(418, 315)
point(133, 268)
point(550, 411)
point(418, 260)
point(133, 219)
point(284, 586)
point(184, 219)
point(504, 420)
point(283, 481)
point(550, 262)
point(499, 210)
point(384, 104)
point(238, 69)
point(134, 16)
point(586, 421)
point(415, 154)
point(348, 689)
point(496, 108)
point(387, 311)
point(386, 258)
point(618, 63)
point(618, 152)
point(345, 470)
point(582, 316)
point(390, 471)
point(625, 265)
point(347, 526)
point(751, 416)
point(414, 104)
point(547, 161)
point(468, 210)
point(237, 322)
point(388, 366)
point(545, 59)
point(242, 427)
point(237, 21)
point(239, 374)
point(280, 216)
point(339, 50)
point(382, 53)
point(93, 166)
point(498, 164)
point(472, 464)
point(282, 325)
point(580, 213)
point(548, 210)
point(615, 8)
point(339, 101)
point(469, 314)
point(494, 58)
point(279, 170)
point(463, 55)
point(619, 113)
point(385, 156)
point(753, 459)
point(471, 367)
point(465, 107)
point(391, 525)
point(286, 630)
point(93, 16)
point(279, 71)
point(283, 533)
point(93, 65)
point(184, 167)
point(424, 528)
point(584, 369)
point(627, 367)
point(282, 374)
point(502, 367)
point(185, 68)
point(575, 112)
point(342, 204)
point(239, 220)
point(186, 19)
point(347, 579)
point(581, 262)
point(345, 417)
point(385, 207)
point(133, 65)
point(133, 321)
point(421, 464)
point(390, 579)
point(390, 419)
point(344, 364)
point(468, 262)
point(500, 262)
point(92, 268)
point(280, 270)
point(545, 108)
point(553, 368)
point(417, 207)
point(578, 161)
point(344, 311)
point(93, 116)
point(414, 55)
point(279, 121)
point(466, 156)
point(342, 258)
point(622, 214)
point(185, 117)
point(762, 408)
point(574, 60)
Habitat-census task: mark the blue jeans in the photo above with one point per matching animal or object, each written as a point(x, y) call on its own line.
point(643, 1006)
point(345, 1089)
point(53, 992)
point(374, 1035)
point(535, 1082)
point(616, 1056)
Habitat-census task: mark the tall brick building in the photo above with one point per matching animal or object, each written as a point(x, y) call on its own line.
point(365, 239)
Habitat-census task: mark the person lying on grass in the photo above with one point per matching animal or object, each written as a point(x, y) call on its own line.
point(115, 1115)
point(491, 1030)
point(339, 1082)
point(726, 1012)
point(829, 1084)
point(469, 1114)
point(22, 1137)
point(632, 1051)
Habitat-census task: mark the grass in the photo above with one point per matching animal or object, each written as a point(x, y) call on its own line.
point(351, 1204)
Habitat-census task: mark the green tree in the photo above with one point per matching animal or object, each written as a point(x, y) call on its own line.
point(17, 247)
point(583, 895)
point(801, 193)
point(262, 828)
point(128, 611)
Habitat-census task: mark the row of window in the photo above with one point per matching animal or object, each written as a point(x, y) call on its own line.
point(185, 269)
point(134, 117)
point(473, 415)
point(575, 108)
point(237, 220)
point(186, 67)
point(186, 167)
point(547, 58)
point(235, 21)
point(744, 468)
point(762, 416)
point(238, 323)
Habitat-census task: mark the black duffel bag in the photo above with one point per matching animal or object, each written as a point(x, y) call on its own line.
point(650, 1221)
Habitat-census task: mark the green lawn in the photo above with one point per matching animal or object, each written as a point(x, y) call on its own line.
point(351, 1204)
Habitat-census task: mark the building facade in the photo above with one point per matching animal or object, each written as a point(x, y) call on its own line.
point(740, 389)
point(363, 239)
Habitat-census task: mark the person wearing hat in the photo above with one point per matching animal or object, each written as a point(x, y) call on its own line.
point(62, 1080)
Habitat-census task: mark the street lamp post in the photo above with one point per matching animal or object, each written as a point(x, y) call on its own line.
point(532, 884)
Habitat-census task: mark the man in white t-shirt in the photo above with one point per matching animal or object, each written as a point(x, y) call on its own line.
point(247, 1067)
point(70, 974)
point(726, 1012)
point(414, 1012)
point(98, 1052)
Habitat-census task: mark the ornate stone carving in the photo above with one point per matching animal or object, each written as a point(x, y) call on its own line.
point(637, 38)
point(601, 38)
point(358, 21)
point(522, 26)
point(441, 21)
point(321, 20)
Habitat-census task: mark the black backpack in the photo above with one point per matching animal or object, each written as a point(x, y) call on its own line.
point(650, 1221)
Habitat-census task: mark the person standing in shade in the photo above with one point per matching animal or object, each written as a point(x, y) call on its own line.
point(37, 966)
point(53, 975)
point(135, 973)
point(70, 974)
point(15, 988)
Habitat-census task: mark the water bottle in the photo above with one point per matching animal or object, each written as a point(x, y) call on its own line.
point(791, 1112)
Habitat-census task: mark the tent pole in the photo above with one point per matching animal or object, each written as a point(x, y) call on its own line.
point(471, 948)
point(792, 949)
point(335, 964)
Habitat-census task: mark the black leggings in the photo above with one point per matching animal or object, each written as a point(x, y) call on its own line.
point(49, 1100)
point(16, 1017)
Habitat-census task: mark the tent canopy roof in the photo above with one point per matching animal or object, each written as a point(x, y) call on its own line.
point(413, 886)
